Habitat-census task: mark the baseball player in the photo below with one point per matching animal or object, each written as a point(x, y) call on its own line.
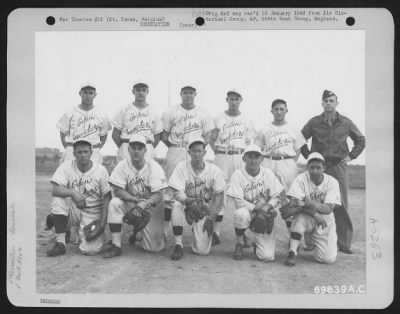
point(232, 133)
point(281, 143)
point(137, 183)
point(80, 185)
point(82, 122)
point(313, 196)
point(196, 182)
point(329, 132)
point(181, 124)
point(255, 192)
point(137, 118)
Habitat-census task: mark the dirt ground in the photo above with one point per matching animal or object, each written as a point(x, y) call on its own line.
point(137, 271)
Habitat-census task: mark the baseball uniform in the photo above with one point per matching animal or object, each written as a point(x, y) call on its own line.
point(83, 124)
point(141, 184)
point(247, 190)
point(182, 126)
point(324, 239)
point(133, 120)
point(93, 184)
point(205, 184)
point(280, 144)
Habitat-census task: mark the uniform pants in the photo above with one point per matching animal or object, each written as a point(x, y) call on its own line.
point(325, 240)
point(81, 218)
point(344, 226)
point(201, 243)
point(152, 235)
point(265, 243)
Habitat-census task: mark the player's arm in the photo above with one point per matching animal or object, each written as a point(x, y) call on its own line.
point(104, 212)
point(157, 138)
point(207, 136)
point(216, 205)
point(62, 191)
point(124, 195)
point(103, 139)
point(213, 138)
point(164, 138)
point(116, 136)
point(62, 137)
point(242, 203)
point(151, 201)
point(307, 133)
point(358, 139)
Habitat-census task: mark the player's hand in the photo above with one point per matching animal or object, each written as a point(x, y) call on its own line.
point(345, 160)
point(309, 203)
point(78, 199)
point(261, 204)
point(320, 221)
point(137, 211)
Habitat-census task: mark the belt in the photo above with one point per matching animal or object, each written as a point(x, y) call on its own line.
point(178, 145)
point(332, 160)
point(279, 157)
point(93, 146)
point(230, 152)
point(124, 140)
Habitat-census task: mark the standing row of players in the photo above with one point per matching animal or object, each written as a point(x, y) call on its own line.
point(142, 183)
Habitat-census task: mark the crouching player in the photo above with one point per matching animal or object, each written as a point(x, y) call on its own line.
point(313, 195)
point(138, 186)
point(254, 192)
point(80, 186)
point(198, 188)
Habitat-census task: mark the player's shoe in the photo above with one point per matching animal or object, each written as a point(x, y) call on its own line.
point(309, 248)
point(178, 253)
point(57, 249)
point(112, 252)
point(346, 250)
point(291, 259)
point(238, 254)
point(215, 239)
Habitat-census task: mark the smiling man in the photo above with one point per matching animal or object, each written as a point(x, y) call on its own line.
point(329, 132)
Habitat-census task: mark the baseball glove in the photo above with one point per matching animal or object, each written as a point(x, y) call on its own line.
point(93, 230)
point(208, 226)
point(195, 210)
point(263, 221)
point(138, 218)
point(289, 211)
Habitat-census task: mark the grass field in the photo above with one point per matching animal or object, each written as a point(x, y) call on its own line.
point(139, 272)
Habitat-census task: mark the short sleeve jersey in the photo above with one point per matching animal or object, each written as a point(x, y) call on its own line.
point(139, 183)
point(79, 124)
point(203, 185)
point(281, 140)
point(133, 120)
point(233, 132)
point(184, 125)
point(253, 189)
point(92, 184)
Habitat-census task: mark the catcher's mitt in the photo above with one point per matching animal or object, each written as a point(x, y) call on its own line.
point(263, 222)
point(289, 211)
point(195, 210)
point(137, 217)
point(93, 230)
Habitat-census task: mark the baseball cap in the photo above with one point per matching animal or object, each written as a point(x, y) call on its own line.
point(327, 93)
point(253, 148)
point(87, 85)
point(196, 140)
point(140, 83)
point(81, 141)
point(278, 101)
point(188, 87)
point(315, 156)
point(137, 138)
point(233, 92)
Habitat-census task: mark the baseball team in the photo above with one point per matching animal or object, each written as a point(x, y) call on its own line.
point(254, 176)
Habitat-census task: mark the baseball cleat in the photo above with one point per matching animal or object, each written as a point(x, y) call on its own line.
point(57, 249)
point(291, 259)
point(112, 251)
point(309, 248)
point(346, 250)
point(178, 253)
point(215, 239)
point(238, 255)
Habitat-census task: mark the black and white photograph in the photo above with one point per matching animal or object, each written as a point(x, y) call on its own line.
point(201, 160)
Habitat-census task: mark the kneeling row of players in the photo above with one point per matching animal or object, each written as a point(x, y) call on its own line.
point(82, 192)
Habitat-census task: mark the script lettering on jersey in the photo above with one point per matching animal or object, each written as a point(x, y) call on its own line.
point(84, 126)
point(142, 125)
point(234, 135)
point(86, 186)
point(184, 125)
point(138, 187)
point(255, 191)
point(138, 115)
point(198, 188)
point(318, 196)
point(276, 139)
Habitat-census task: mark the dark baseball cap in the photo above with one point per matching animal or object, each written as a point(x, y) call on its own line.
point(140, 84)
point(327, 93)
point(233, 92)
point(188, 87)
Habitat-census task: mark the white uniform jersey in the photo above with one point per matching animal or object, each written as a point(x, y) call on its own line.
point(326, 192)
point(233, 132)
point(84, 124)
point(183, 125)
point(139, 183)
point(92, 184)
point(282, 140)
point(253, 189)
point(133, 120)
point(204, 185)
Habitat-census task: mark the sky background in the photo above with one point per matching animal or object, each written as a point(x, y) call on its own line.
point(263, 65)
